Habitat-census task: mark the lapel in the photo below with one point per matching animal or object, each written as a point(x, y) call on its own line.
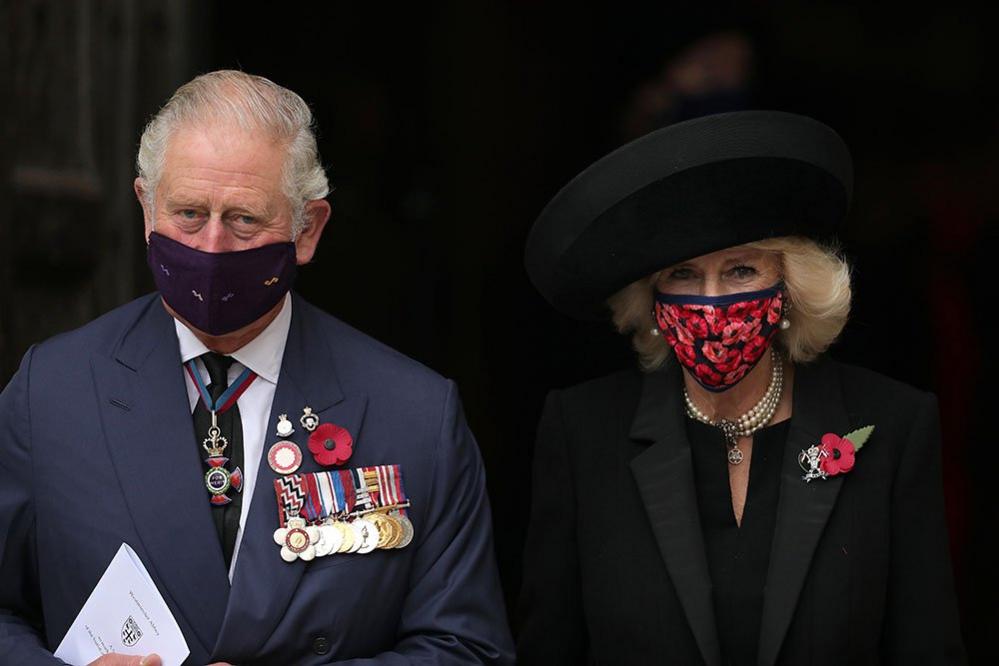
point(263, 584)
point(804, 508)
point(665, 477)
point(151, 441)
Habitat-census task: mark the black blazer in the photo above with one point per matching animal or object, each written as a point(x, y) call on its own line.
point(615, 567)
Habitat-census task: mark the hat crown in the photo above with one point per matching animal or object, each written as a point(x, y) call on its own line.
point(685, 190)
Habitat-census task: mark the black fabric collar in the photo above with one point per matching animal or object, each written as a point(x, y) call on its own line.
point(665, 478)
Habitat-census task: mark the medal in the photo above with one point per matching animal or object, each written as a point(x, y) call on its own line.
point(284, 457)
point(297, 540)
point(330, 539)
point(290, 498)
point(369, 535)
point(407, 531)
point(341, 511)
point(349, 538)
point(284, 428)
point(309, 420)
point(383, 527)
point(219, 479)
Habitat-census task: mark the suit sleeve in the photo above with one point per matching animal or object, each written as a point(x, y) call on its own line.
point(21, 633)
point(454, 612)
point(921, 623)
point(552, 628)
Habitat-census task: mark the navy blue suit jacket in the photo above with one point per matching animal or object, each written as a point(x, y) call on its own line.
point(97, 447)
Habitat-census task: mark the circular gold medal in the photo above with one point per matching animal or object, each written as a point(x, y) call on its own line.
point(347, 544)
point(407, 530)
point(381, 524)
point(396, 537)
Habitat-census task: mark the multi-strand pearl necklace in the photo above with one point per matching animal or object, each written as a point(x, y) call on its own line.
point(755, 419)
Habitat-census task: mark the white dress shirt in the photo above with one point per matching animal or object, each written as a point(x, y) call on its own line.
point(263, 356)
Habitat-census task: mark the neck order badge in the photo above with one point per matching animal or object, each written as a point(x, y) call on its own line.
point(218, 479)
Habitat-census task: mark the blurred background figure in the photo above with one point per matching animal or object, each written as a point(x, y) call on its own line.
point(712, 75)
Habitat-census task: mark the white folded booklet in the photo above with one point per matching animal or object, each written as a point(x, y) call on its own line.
point(126, 614)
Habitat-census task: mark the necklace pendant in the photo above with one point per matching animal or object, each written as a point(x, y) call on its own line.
point(735, 455)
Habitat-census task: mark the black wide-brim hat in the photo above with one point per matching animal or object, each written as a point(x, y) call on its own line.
point(683, 191)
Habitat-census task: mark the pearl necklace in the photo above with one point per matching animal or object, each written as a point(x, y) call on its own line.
point(755, 419)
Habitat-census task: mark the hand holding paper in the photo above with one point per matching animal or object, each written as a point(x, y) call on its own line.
point(114, 659)
point(124, 619)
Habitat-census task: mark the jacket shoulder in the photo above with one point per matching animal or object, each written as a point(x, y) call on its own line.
point(595, 397)
point(101, 334)
point(364, 360)
point(864, 386)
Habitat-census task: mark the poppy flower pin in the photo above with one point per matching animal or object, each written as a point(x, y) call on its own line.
point(330, 444)
point(833, 455)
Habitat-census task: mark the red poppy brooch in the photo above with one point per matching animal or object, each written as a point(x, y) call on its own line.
point(330, 444)
point(833, 455)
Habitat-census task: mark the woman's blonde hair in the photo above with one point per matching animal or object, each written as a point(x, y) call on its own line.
point(817, 279)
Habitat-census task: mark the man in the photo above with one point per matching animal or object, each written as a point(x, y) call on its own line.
point(178, 422)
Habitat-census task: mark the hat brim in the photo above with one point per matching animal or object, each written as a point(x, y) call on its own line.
point(684, 191)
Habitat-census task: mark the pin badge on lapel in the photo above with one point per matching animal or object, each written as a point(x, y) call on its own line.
point(284, 457)
point(284, 427)
point(834, 455)
point(331, 445)
point(309, 420)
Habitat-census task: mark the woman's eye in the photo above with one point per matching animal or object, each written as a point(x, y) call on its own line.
point(681, 274)
point(743, 272)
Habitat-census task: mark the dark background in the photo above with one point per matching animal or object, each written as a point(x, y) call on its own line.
point(447, 126)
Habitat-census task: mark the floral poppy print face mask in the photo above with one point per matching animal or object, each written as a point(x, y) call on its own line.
point(719, 339)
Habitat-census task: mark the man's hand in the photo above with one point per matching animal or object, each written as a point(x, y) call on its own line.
point(114, 659)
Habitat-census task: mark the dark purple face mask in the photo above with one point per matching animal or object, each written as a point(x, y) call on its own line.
point(221, 292)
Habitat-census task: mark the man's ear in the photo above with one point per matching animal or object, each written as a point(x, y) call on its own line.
point(317, 213)
point(147, 214)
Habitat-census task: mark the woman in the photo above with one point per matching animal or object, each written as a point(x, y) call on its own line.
point(729, 503)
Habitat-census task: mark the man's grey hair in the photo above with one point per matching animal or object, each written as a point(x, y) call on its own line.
point(255, 104)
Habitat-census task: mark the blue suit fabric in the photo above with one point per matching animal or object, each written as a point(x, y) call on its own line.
point(97, 448)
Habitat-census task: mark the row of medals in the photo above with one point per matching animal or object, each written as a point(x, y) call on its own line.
point(362, 535)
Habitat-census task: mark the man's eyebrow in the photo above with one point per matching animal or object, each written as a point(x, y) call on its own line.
point(183, 199)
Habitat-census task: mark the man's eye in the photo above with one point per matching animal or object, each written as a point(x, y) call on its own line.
point(188, 214)
point(247, 219)
point(681, 274)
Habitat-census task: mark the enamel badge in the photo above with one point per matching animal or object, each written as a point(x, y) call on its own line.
point(284, 457)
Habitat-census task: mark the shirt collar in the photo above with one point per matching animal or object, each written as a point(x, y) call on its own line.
point(262, 354)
